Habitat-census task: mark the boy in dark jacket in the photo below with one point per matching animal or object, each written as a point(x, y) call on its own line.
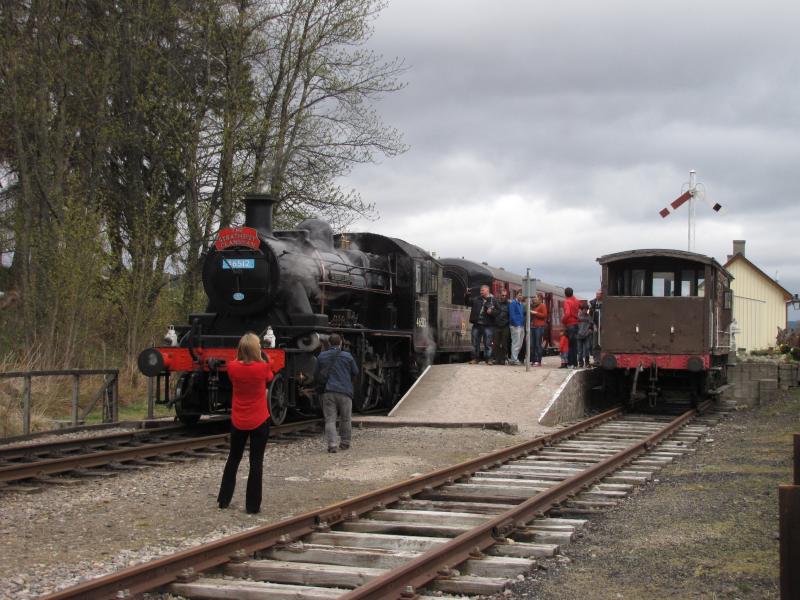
point(501, 333)
point(584, 336)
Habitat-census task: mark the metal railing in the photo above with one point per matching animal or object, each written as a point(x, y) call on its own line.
point(109, 392)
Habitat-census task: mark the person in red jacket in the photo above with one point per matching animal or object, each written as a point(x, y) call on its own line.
point(538, 323)
point(563, 349)
point(570, 322)
point(249, 375)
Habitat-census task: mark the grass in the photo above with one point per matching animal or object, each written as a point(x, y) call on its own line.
point(133, 411)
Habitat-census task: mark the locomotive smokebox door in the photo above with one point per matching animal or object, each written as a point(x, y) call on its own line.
point(237, 279)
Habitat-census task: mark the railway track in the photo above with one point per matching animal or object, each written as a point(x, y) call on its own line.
point(463, 530)
point(22, 466)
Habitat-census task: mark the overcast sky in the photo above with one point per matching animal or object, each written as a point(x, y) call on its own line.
point(548, 134)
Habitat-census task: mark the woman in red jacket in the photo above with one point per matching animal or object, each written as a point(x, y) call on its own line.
point(249, 375)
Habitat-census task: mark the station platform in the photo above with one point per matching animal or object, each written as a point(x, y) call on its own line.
point(527, 402)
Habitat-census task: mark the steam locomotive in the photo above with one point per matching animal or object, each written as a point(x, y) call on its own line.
point(665, 324)
point(392, 303)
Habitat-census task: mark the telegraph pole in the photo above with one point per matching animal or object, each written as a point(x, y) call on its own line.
point(692, 190)
point(528, 319)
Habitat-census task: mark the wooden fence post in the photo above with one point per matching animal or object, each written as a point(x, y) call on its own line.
point(115, 400)
point(108, 381)
point(76, 388)
point(150, 397)
point(789, 519)
point(26, 406)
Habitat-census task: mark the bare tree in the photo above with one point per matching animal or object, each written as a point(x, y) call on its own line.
point(315, 117)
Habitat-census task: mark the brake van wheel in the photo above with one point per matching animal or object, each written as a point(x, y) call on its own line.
point(278, 400)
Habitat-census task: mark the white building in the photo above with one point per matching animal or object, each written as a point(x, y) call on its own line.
point(759, 304)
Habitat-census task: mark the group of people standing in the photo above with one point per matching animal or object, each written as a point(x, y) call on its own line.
point(495, 320)
point(578, 338)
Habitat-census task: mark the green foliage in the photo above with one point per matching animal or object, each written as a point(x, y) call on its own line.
point(130, 132)
point(763, 352)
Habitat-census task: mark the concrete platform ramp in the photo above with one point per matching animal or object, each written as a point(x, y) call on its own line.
point(482, 393)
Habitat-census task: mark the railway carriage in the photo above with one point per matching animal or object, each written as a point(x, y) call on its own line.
point(464, 279)
point(665, 323)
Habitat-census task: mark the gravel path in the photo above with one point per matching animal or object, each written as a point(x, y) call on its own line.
point(56, 538)
point(707, 529)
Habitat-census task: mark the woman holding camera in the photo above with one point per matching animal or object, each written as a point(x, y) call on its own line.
point(249, 375)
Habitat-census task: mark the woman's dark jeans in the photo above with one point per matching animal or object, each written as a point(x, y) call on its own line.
point(258, 443)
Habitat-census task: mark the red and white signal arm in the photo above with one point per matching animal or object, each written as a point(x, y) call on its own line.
point(243, 237)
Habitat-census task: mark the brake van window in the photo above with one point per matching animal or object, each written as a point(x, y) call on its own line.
point(663, 283)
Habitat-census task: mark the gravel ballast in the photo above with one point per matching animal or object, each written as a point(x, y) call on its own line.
point(64, 534)
point(707, 529)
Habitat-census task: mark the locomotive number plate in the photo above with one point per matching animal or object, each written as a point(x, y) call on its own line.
point(238, 263)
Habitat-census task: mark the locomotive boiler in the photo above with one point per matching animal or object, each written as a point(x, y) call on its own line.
point(665, 324)
point(301, 285)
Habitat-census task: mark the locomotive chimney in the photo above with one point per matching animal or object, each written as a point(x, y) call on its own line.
point(258, 212)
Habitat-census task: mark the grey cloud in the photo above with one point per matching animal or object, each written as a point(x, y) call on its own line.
point(598, 107)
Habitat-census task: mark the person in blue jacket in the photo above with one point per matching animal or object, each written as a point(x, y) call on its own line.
point(516, 323)
point(337, 368)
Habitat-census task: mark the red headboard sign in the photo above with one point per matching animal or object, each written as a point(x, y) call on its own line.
point(237, 236)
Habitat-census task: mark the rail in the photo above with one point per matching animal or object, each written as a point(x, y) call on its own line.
point(161, 571)
point(402, 581)
point(109, 391)
point(426, 567)
point(62, 456)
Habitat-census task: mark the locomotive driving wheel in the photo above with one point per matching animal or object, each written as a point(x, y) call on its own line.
point(391, 387)
point(381, 384)
point(373, 388)
point(278, 400)
point(182, 395)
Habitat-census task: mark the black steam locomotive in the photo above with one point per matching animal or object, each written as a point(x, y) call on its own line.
point(392, 302)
